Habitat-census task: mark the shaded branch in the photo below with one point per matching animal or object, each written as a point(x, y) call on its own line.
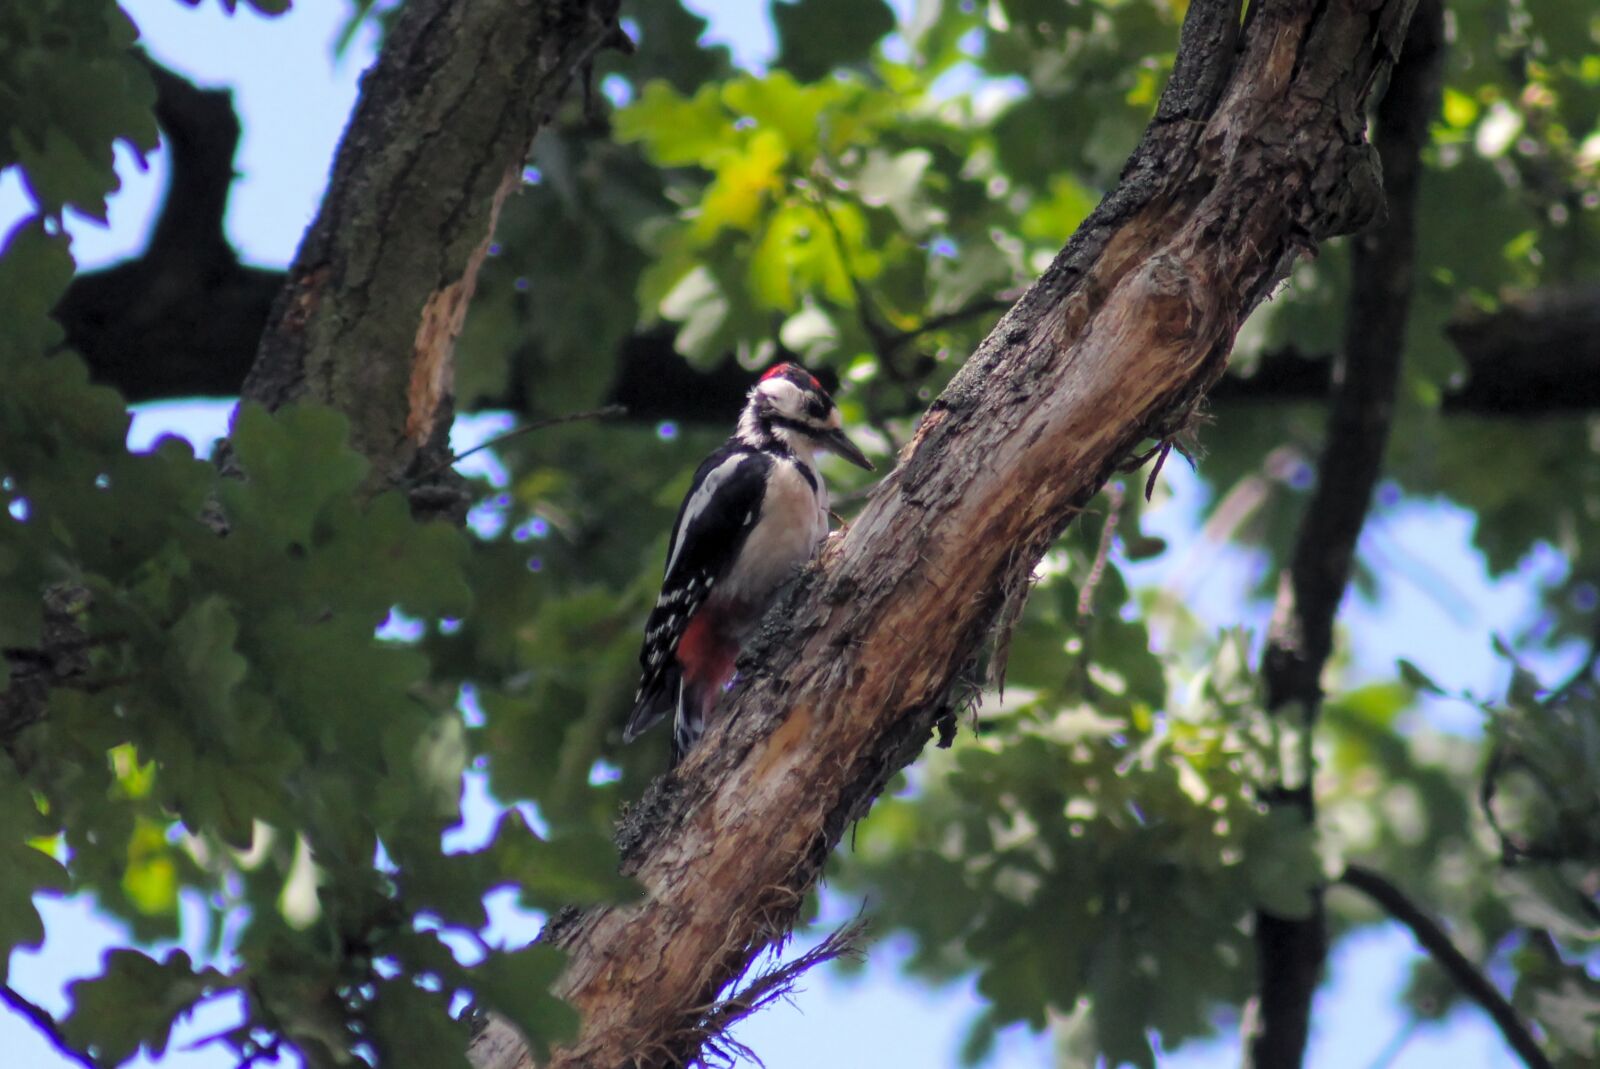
point(607, 412)
point(1290, 950)
point(1433, 939)
point(61, 659)
point(1538, 353)
point(185, 318)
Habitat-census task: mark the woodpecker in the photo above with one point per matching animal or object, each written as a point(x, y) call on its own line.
point(756, 510)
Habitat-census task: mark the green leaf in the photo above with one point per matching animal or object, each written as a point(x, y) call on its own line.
point(671, 45)
point(777, 105)
point(1416, 678)
point(201, 662)
point(698, 303)
point(372, 556)
point(678, 130)
point(412, 1029)
point(296, 463)
point(897, 181)
point(25, 870)
point(134, 1002)
point(816, 36)
point(73, 87)
point(1540, 899)
point(1571, 1014)
point(1283, 866)
point(517, 984)
point(746, 182)
point(21, 607)
point(575, 869)
point(35, 268)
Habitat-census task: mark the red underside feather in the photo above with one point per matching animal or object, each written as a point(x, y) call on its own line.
point(707, 657)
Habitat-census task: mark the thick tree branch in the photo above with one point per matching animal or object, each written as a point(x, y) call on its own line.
point(1436, 941)
point(368, 318)
point(185, 318)
point(1538, 353)
point(1290, 950)
point(1252, 158)
point(60, 660)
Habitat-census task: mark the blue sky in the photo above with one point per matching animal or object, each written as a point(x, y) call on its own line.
point(294, 99)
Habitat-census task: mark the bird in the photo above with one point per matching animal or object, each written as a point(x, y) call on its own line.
point(755, 512)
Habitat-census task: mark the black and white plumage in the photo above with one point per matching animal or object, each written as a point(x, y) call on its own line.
point(756, 510)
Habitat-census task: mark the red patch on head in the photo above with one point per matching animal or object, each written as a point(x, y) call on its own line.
point(785, 370)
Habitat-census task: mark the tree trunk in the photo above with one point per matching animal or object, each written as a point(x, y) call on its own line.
point(368, 318)
point(1290, 950)
point(1257, 151)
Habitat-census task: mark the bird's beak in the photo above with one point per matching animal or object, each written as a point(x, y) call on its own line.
point(836, 443)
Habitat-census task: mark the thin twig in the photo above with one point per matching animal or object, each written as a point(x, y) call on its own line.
point(717, 1046)
point(1108, 534)
point(605, 412)
point(46, 1024)
point(1436, 942)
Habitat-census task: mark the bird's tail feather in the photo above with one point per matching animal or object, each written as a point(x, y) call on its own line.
point(656, 698)
point(689, 722)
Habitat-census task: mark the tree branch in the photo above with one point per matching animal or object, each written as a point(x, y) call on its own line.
point(47, 1026)
point(368, 318)
point(1290, 950)
point(185, 318)
point(1433, 939)
point(1119, 338)
point(1538, 353)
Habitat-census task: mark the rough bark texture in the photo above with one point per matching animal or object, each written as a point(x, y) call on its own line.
point(1254, 155)
point(368, 318)
point(1290, 950)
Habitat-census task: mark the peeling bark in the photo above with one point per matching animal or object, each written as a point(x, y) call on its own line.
point(368, 317)
point(1250, 160)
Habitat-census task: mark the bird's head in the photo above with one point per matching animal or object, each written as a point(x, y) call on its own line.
point(790, 405)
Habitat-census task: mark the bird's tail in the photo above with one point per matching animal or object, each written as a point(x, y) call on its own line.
point(658, 696)
point(695, 702)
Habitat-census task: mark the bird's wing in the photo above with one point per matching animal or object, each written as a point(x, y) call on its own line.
point(712, 525)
